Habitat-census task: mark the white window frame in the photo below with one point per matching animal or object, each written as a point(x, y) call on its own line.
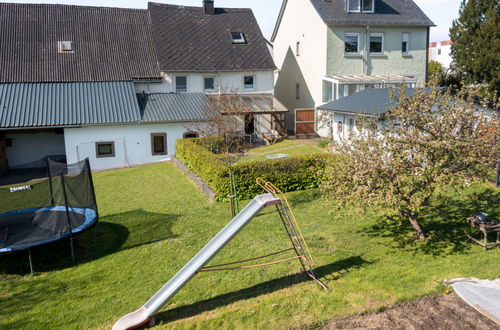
point(407, 43)
point(241, 40)
point(371, 11)
point(353, 34)
point(361, 5)
point(176, 87)
point(253, 86)
point(377, 35)
point(349, 10)
point(204, 85)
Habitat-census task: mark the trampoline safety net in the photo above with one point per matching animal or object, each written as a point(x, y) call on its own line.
point(42, 211)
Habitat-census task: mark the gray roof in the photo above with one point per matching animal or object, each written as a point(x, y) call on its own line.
point(371, 101)
point(387, 13)
point(67, 104)
point(87, 104)
point(173, 107)
point(111, 44)
point(187, 39)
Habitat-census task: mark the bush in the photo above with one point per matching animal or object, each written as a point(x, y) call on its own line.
point(289, 174)
point(323, 143)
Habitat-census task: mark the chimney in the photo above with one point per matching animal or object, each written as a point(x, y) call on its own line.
point(208, 7)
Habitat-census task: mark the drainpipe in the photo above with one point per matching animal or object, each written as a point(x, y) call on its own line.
point(365, 55)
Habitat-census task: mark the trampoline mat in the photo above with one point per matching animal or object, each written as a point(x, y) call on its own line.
point(25, 228)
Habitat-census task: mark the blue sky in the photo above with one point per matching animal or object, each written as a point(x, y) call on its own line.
point(441, 12)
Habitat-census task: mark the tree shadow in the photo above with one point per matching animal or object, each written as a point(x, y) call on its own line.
point(326, 273)
point(444, 221)
point(113, 233)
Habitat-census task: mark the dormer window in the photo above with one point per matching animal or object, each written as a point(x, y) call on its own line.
point(238, 38)
point(65, 47)
point(358, 6)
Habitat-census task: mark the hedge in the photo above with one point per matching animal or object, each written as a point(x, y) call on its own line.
point(289, 174)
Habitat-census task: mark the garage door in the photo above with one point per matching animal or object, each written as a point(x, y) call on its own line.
point(304, 121)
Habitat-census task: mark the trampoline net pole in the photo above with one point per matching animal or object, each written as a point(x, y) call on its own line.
point(50, 184)
point(63, 186)
point(31, 263)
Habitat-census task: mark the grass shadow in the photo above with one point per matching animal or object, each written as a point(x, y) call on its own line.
point(326, 273)
point(444, 221)
point(113, 233)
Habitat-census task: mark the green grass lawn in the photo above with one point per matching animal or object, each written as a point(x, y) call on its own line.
point(153, 221)
point(290, 147)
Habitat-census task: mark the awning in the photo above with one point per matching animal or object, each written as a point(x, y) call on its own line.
point(262, 103)
point(375, 79)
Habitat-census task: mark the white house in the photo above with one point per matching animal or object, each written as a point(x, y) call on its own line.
point(441, 52)
point(119, 85)
point(329, 49)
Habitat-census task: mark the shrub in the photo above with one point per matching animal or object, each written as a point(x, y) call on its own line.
point(323, 143)
point(289, 174)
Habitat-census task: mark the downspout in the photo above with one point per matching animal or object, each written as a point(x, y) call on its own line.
point(427, 56)
point(365, 55)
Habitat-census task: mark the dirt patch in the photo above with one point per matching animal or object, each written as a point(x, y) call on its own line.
point(431, 312)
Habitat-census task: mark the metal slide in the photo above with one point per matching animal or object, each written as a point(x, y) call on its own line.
point(144, 314)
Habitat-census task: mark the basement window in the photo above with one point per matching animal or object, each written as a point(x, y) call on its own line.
point(158, 144)
point(105, 149)
point(238, 38)
point(64, 47)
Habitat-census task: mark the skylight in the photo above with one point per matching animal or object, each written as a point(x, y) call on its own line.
point(238, 38)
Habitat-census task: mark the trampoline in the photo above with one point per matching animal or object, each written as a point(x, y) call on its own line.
point(52, 209)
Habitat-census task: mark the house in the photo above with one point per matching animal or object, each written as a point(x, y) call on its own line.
point(329, 49)
point(441, 52)
point(340, 116)
point(119, 85)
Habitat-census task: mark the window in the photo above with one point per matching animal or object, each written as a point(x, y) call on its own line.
point(238, 38)
point(297, 91)
point(340, 127)
point(368, 6)
point(209, 83)
point(249, 82)
point(354, 6)
point(105, 149)
point(357, 6)
point(297, 49)
point(376, 44)
point(351, 41)
point(190, 135)
point(439, 51)
point(405, 43)
point(181, 84)
point(65, 47)
point(158, 144)
point(8, 142)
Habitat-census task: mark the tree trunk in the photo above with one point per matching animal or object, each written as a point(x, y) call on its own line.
point(420, 233)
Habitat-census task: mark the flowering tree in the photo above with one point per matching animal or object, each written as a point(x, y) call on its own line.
point(420, 147)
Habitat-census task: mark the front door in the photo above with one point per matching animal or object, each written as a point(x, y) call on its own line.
point(304, 121)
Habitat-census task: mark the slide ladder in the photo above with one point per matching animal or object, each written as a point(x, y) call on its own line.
point(145, 314)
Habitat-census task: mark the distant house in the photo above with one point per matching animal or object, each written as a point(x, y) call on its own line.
point(339, 117)
point(120, 86)
point(441, 52)
point(329, 49)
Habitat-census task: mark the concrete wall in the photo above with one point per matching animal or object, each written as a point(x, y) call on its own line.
point(28, 147)
point(392, 62)
point(300, 23)
point(132, 143)
point(226, 81)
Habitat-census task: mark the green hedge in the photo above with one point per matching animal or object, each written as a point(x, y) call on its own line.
point(289, 174)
